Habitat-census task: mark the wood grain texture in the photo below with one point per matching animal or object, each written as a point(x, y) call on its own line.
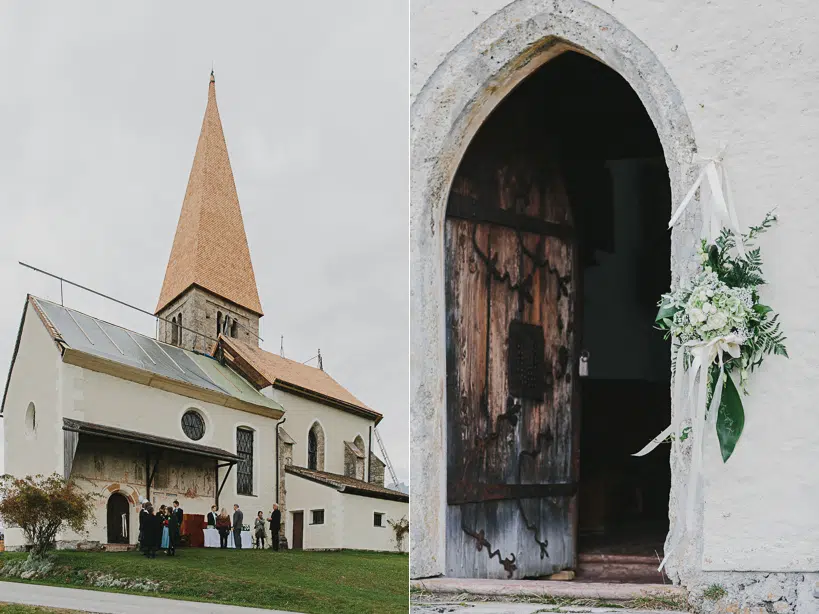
point(496, 275)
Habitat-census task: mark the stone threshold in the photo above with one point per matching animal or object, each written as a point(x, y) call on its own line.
point(494, 589)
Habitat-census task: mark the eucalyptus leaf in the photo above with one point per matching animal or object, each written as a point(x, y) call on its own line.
point(666, 312)
point(730, 418)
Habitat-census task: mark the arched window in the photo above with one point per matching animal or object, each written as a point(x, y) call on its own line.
point(244, 468)
point(234, 329)
point(179, 327)
point(174, 332)
point(218, 322)
point(31, 420)
point(315, 447)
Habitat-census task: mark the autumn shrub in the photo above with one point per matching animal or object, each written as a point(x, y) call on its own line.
point(42, 506)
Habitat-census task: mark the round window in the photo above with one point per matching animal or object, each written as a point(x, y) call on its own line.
point(193, 425)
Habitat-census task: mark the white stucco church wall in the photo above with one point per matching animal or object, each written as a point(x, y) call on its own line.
point(708, 74)
point(338, 427)
point(58, 390)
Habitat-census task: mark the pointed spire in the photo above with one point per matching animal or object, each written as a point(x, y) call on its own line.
point(210, 246)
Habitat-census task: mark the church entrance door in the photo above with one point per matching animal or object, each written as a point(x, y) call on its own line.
point(118, 519)
point(555, 253)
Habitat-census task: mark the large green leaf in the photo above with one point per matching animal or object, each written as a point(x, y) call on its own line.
point(665, 312)
point(730, 418)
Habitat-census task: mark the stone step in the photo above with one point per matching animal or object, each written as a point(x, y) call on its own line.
point(493, 589)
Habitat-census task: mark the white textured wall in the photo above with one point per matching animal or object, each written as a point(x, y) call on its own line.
point(339, 426)
point(359, 531)
point(306, 495)
point(34, 379)
point(748, 74)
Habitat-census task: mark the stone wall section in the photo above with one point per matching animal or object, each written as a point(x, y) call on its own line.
point(199, 309)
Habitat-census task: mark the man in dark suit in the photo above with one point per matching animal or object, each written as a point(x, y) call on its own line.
point(275, 521)
point(175, 527)
point(238, 519)
point(143, 514)
point(212, 514)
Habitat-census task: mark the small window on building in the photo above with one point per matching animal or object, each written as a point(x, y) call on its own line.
point(244, 468)
point(193, 425)
point(378, 519)
point(179, 326)
point(234, 329)
point(315, 447)
point(174, 332)
point(318, 516)
point(218, 322)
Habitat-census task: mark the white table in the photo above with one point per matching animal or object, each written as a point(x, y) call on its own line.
point(212, 539)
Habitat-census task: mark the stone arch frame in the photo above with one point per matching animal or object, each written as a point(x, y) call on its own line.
point(454, 102)
point(317, 428)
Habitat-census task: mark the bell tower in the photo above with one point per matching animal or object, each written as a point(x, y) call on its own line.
point(209, 287)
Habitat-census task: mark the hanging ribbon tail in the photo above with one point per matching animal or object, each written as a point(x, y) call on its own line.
point(687, 199)
point(655, 442)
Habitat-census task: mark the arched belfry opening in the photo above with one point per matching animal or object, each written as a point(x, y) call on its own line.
point(556, 251)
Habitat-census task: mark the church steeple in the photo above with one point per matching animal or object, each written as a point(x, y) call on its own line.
point(210, 251)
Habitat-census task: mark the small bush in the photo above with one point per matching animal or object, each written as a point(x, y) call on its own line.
point(43, 506)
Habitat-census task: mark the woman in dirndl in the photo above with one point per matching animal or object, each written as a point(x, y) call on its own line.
point(165, 544)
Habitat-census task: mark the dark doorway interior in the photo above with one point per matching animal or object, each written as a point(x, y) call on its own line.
point(617, 182)
point(118, 519)
point(298, 530)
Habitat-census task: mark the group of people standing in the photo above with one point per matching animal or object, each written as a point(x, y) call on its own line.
point(225, 525)
point(159, 529)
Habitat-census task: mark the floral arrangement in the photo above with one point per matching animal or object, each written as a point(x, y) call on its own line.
point(720, 327)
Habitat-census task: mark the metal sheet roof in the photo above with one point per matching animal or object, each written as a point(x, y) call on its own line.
point(98, 338)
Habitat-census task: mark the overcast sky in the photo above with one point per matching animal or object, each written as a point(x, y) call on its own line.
point(101, 105)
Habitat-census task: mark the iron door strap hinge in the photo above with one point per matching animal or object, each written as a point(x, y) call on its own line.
point(485, 210)
point(459, 494)
point(526, 361)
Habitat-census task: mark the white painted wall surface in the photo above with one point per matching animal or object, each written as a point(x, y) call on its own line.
point(748, 74)
point(360, 532)
point(35, 379)
point(339, 426)
point(305, 496)
point(109, 400)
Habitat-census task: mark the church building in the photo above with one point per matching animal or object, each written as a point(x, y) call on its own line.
point(201, 413)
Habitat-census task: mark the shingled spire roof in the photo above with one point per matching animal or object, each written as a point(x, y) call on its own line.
point(210, 246)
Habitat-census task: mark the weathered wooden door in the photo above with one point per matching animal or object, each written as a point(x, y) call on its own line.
point(511, 426)
point(298, 530)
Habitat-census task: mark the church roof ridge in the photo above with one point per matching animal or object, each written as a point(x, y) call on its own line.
point(210, 248)
point(298, 378)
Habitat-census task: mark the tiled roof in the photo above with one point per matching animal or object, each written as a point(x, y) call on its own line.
point(210, 246)
point(291, 376)
point(346, 484)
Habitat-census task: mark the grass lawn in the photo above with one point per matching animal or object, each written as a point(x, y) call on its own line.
point(316, 582)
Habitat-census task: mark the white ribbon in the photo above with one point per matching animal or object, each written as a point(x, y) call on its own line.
point(703, 355)
point(718, 208)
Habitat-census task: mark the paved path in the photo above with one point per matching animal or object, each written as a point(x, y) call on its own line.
point(519, 608)
point(111, 603)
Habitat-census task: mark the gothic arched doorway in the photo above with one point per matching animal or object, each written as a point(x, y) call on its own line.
point(119, 511)
point(556, 248)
